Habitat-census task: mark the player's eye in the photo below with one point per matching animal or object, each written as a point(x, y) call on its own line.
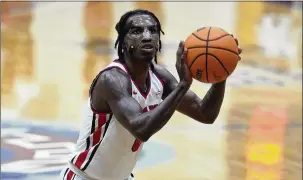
point(153, 30)
point(137, 31)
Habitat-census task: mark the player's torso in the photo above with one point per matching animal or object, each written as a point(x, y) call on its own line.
point(105, 149)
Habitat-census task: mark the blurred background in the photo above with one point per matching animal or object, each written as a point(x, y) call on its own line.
point(51, 51)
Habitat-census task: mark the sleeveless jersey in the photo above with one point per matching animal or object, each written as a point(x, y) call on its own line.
point(105, 150)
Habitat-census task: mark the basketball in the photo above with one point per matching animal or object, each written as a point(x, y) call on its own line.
point(212, 54)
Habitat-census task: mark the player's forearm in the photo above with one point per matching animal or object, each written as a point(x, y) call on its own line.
point(211, 103)
point(154, 120)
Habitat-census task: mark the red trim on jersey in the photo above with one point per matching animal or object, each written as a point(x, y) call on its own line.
point(150, 81)
point(136, 145)
point(69, 175)
point(97, 133)
point(96, 138)
point(81, 158)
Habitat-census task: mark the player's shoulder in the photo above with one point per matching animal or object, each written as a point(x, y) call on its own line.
point(113, 73)
point(158, 67)
point(113, 78)
point(160, 70)
point(163, 72)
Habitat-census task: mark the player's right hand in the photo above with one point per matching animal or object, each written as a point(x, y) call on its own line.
point(181, 65)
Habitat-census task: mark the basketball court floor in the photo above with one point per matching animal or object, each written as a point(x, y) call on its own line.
point(51, 54)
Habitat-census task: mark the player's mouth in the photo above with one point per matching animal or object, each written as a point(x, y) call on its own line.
point(148, 47)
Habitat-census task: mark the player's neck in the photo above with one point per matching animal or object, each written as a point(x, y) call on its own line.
point(138, 69)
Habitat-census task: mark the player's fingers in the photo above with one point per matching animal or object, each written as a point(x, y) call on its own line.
point(181, 44)
point(236, 39)
point(181, 47)
point(180, 52)
point(184, 54)
point(240, 50)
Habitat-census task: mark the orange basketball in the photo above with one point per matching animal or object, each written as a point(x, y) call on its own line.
point(212, 54)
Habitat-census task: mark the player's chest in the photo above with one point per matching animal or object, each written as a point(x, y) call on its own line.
point(152, 97)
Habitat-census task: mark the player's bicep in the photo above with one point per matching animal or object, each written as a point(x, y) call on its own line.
point(125, 110)
point(115, 87)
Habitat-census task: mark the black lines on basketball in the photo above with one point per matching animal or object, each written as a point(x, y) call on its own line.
point(210, 39)
point(207, 54)
point(211, 47)
point(196, 59)
point(225, 69)
point(219, 62)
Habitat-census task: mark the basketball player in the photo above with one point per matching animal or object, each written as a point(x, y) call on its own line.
point(132, 99)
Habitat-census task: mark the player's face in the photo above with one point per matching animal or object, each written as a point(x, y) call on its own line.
point(143, 35)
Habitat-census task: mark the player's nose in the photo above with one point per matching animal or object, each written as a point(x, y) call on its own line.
point(147, 35)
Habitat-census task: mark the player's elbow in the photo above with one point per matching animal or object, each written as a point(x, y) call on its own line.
point(208, 118)
point(142, 135)
point(138, 129)
point(139, 133)
point(142, 129)
point(143, 132)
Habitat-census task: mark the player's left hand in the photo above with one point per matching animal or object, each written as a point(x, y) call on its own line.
point(239, 48)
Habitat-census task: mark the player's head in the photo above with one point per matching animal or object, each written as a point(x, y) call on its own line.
point(139, 35)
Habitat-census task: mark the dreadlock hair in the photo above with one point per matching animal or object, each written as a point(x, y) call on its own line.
point(120, 28)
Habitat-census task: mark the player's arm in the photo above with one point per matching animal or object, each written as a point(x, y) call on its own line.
point(203, 110)
point(114, 87)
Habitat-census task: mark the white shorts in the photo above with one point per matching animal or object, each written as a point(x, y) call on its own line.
point(68, 174)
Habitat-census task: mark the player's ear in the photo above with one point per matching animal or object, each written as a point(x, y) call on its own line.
point(123, 45)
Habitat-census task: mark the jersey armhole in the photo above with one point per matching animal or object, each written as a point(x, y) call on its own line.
point(92, 86)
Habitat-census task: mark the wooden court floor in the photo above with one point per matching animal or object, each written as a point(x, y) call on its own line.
point(257, 136)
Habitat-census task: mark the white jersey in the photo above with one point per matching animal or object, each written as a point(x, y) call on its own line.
point(105, 150)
